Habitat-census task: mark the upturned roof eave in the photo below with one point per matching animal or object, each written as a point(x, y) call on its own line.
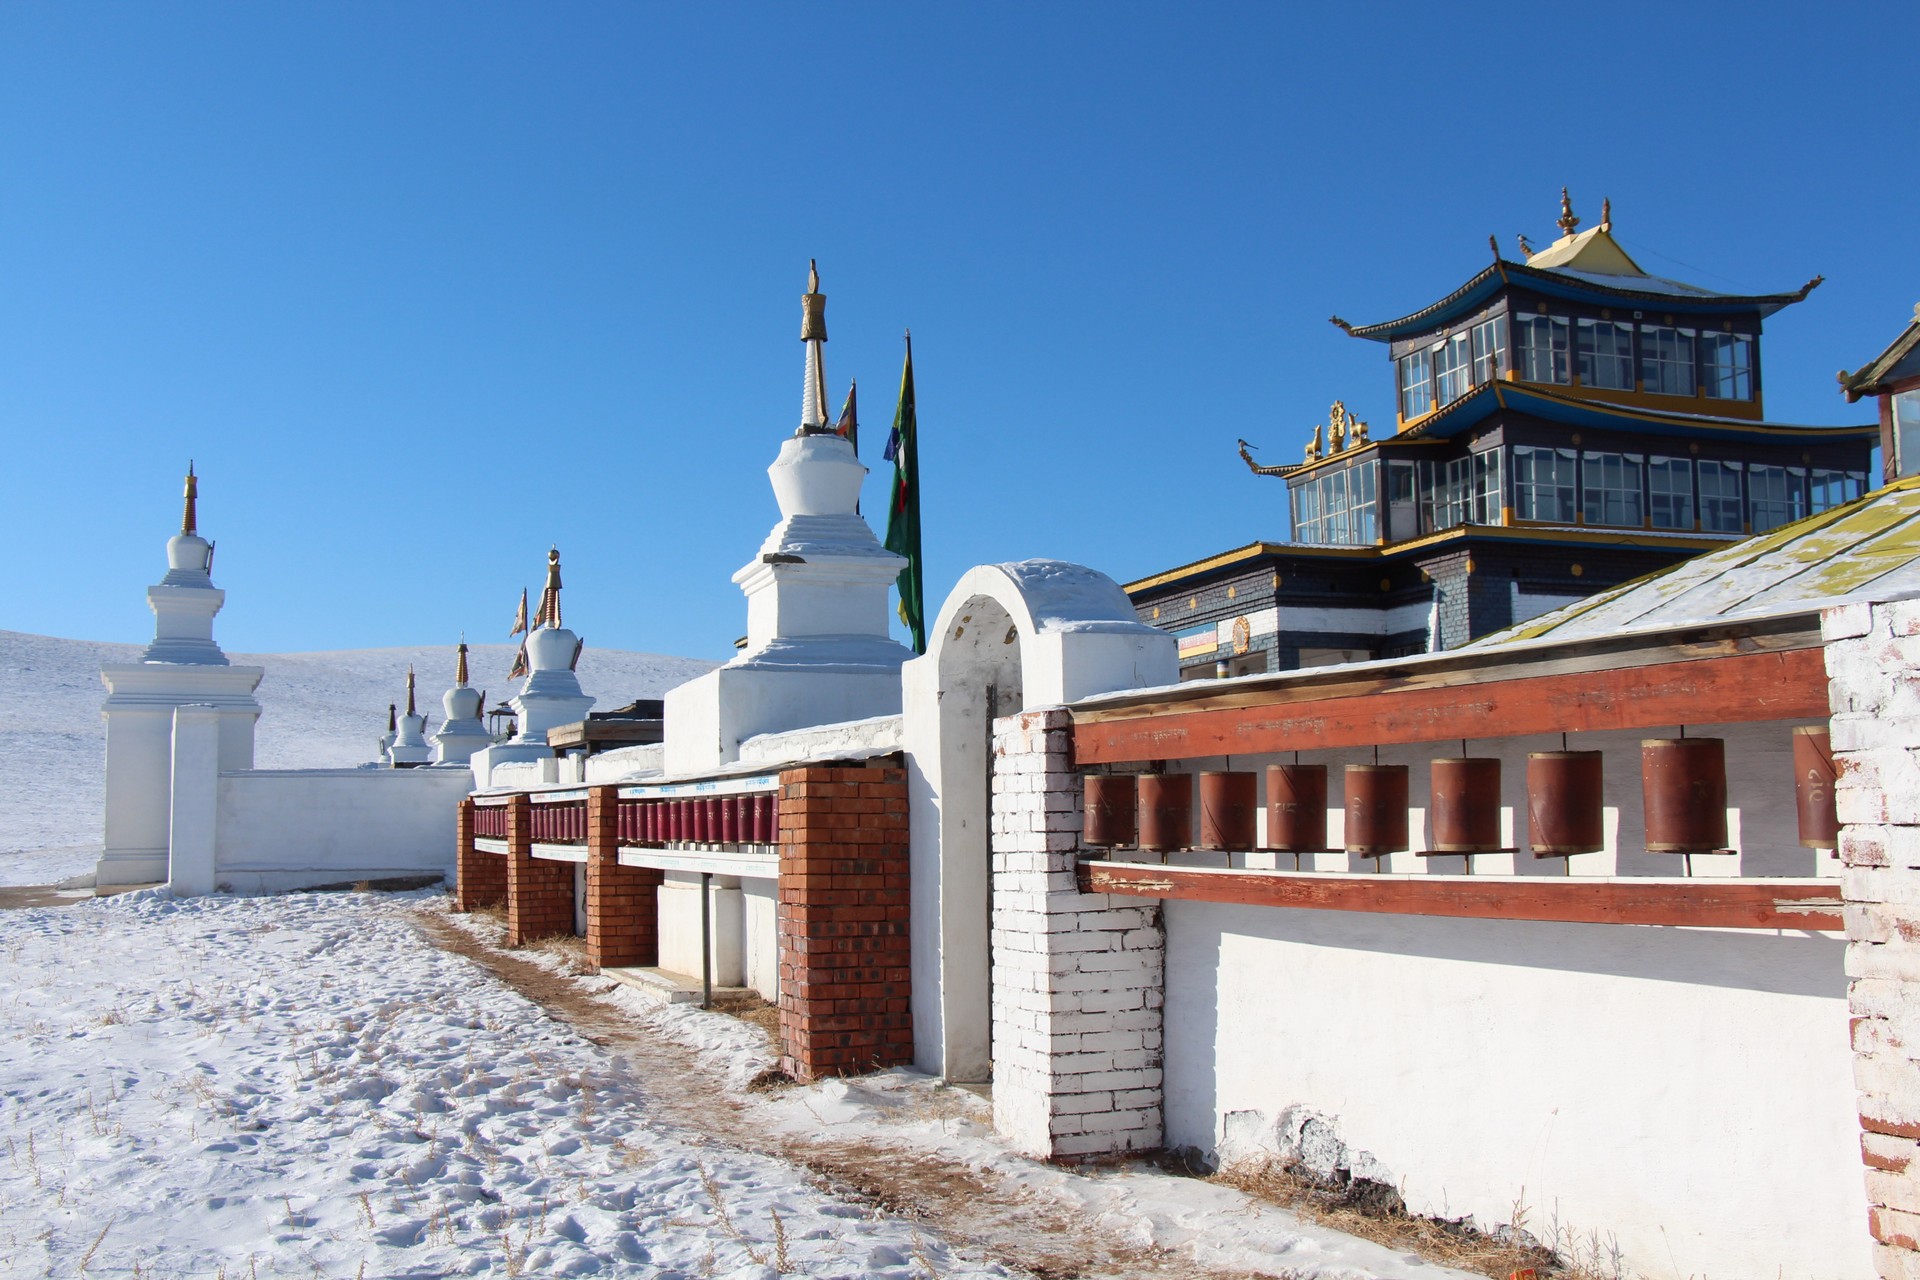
point(1487, 282)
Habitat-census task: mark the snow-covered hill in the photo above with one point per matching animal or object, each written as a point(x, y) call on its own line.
point(323, 710)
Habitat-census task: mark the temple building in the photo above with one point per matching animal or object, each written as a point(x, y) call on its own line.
point(1563, 423)
point(1893, 379)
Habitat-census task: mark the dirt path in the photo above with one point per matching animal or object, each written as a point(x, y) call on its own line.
point(971, 1208)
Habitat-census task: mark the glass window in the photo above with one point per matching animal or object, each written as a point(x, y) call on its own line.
point(1451, 366)
point(1906, 433)
point(1543, 483)
point(1666, 360)
point(1337, 508)
point(1416, 384)
point(1776, 495)
point(1605, 350)
point(1670, 492)
point(1488, 494)
point(1611, 488)
point(1726, 366)
point(1489, 349)
point(1541, 343)
point(1720, 497)
point(1449, 493)
point(1832, 488)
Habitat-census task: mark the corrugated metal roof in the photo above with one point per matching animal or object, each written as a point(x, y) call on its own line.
point(1866, 548)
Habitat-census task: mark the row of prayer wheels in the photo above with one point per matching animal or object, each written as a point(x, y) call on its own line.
point(735, 819)
point(1684, 787)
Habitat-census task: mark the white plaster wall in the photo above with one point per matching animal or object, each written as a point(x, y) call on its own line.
point(285, 829)
point(679, 903)
point(1690, 1091)
point(847, 740)
point(625, 763)
point(760, 937)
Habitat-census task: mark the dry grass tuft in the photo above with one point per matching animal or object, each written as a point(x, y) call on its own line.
point(1374, 1211)
point(568, 948)
point(748, 1006)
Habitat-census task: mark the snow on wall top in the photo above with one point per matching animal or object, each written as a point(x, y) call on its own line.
point(1869, 547)
point(1070, 597)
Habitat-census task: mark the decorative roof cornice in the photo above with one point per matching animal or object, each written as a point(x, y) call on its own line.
point(1867, 380)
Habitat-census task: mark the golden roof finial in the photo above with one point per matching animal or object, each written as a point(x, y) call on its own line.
point(460, 665)
point(410, 707)
point(1567, 221)
point(393, 725)
point(1606, 213)
point(813, 307)
point(190, 521)
point(549, 614)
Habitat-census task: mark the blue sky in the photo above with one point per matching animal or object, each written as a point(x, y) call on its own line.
point(424, 288)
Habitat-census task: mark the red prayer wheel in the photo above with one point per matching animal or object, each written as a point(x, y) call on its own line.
point(1227, 803)
point(1684, 784)
point(1110, 801)
point(1566, 811)
point(1166, 811)
point(677, 824)
point(1376, 808)
point(709, 819)
point(655, 824)
point(1814, 775)
point(1296, 808)
point(766, 826)
point(729, 832)
point(1465, 809)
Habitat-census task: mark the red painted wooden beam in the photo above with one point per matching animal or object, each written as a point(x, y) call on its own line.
point(1724, 904)
point(1734, 689)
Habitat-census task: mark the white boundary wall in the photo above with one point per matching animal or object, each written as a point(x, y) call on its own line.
point(1689, 1090)
point(294, 828)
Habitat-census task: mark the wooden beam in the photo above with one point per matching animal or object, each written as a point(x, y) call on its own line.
point(1722, 904)
point(1730, 689)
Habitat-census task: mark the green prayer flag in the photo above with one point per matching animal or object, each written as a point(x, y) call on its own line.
point(903, 513)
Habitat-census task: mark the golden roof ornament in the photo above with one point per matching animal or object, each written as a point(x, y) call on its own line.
point(549, 615)
point(1344, 431)
point(190, 520)
point(1526, 247)
point(1313, 445)
point(813, 307)
point(1567, 221)
point(410, 706)
point(393, 725)
point(460, 665)
point(1606, 213)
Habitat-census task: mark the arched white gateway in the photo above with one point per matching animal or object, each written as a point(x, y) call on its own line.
point(1009, 638)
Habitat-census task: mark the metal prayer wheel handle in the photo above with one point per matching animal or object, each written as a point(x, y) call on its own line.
point(1684, 785)
point(1296, 808)
point(1110, 802)
point(1465, 807)
point(1814, 777)
point(1166, 811)
point(1376, 809)
point(1227, 804)
point(1566, 811)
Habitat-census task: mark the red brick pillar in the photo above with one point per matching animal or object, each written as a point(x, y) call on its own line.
point(623, 907)
point(480, 879)
point(843, 913)
point(539, 892)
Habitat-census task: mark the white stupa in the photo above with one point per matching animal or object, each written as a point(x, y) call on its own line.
point(818, 649)
point(552, 695)
point(462, 731)
point(410, 740)
point(182, 667)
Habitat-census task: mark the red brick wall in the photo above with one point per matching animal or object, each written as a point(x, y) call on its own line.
point(843, 916)
point(623, 907)
point(539, 891)
point(480, 879)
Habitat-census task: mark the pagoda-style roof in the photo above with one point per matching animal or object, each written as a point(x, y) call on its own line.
point(1535, 400)
point(1901, 360)
point(1581, 266)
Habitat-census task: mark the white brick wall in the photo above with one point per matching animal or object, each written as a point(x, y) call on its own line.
point(1077, 977)
point(1873, 670)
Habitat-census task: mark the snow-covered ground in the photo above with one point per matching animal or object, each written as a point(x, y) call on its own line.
point(304, 1086)
point(322, 710)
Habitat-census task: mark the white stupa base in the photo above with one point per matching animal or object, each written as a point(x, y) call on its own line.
point(124, 868)
point(484, 761)
point(709, 717)
point(458, 740)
